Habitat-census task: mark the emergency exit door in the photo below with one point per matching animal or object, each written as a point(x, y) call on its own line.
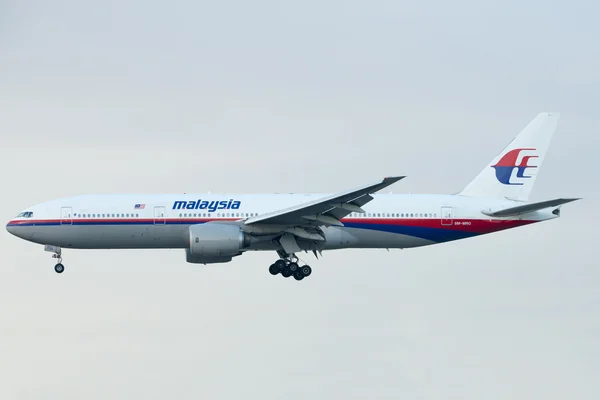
point(159, 215)
point(447, 215)
point(66, 216)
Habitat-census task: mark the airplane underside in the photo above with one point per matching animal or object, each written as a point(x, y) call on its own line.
point(356, 234)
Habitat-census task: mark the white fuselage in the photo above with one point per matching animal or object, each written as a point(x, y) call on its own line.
point(163, 221)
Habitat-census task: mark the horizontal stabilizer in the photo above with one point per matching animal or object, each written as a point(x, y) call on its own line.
point(527, 208)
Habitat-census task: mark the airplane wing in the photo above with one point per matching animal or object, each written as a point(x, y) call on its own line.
point(527, 208)
point(326, 211)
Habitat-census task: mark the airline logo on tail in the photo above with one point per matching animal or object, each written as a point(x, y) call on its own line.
point(505, 166)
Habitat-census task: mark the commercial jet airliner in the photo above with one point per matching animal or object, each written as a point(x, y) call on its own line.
point(215, 228)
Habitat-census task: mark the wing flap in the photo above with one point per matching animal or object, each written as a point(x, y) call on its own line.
point(527, 208)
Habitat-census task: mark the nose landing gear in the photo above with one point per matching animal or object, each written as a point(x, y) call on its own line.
point(59, 267)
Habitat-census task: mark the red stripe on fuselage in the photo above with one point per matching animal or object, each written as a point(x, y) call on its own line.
point(465, 225)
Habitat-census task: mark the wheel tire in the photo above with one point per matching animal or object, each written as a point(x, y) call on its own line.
point(306, 270)
point(273, 269)
point(293, 267)
point(298, 275)
point(286, 272)
point(280, 264)
point(59, 268)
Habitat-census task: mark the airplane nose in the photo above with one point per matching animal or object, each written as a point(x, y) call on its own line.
point(10, 228)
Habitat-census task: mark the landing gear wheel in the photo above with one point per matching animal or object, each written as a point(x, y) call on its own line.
point(59, 268)
point(286, 272)
point(274, 269)
point(280, 264)
point(298, 275)
point(306, 270)
point(293, 267)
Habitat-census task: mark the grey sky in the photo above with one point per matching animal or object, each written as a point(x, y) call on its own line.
point(141, 96)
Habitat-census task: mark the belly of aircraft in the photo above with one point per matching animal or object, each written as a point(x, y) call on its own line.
point(176, 236)
point(110, 236)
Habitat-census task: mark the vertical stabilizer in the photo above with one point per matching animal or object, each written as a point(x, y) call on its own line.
point(512, 173)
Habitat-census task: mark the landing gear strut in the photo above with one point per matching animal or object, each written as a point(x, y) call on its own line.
point(288, 266)
point(59, 267)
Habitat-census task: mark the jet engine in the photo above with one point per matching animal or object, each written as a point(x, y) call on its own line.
point(215, 243)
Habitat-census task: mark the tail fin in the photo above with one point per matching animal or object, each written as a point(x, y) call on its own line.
point(512, 173)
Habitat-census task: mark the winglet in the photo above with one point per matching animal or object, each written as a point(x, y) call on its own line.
point(387, 181)
point(392, 179)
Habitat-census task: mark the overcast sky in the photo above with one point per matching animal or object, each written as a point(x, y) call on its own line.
point(268, 96)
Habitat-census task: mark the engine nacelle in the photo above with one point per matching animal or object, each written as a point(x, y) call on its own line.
point(189, 257)
point(215, 242)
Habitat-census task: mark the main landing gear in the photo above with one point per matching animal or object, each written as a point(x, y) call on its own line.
point(59, 267)
point(289, 267)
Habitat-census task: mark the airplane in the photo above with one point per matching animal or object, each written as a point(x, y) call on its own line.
point(216, 228)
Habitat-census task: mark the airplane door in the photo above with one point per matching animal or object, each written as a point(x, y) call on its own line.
point(66, 216)
point(447, 215)
point(159, 215)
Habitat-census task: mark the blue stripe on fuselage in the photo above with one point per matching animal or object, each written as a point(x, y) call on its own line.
point(433, 234)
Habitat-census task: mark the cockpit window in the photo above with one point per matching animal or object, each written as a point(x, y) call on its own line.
point(26, 214)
